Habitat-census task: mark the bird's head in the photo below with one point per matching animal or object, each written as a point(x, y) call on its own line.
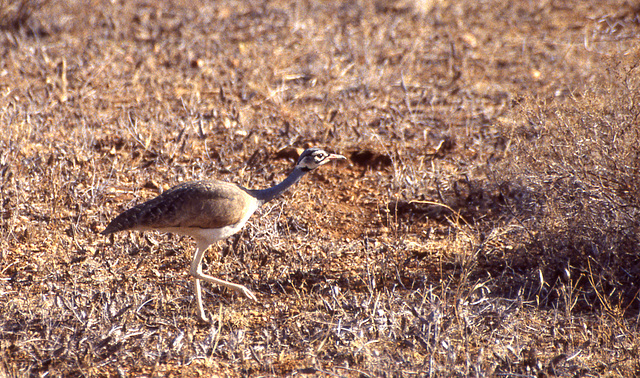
point(314, 157)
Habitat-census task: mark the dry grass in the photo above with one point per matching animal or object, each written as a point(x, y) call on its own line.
point(573, 181)
point(486, 225)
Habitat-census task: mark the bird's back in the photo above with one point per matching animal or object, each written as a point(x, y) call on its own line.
point(206, 204)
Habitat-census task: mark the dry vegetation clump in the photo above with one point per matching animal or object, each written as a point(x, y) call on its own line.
point(15, 13)
point(574, 177)
point(485, 225)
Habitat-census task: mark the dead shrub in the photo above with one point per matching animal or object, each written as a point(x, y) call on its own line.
point(574, 181)
point(15, 13)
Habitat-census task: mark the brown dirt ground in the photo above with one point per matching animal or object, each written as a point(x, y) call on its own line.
point(401, 262)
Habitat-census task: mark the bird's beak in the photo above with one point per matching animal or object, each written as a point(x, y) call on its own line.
point(335, 157)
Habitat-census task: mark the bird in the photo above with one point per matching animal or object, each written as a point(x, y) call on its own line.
point(210, 210)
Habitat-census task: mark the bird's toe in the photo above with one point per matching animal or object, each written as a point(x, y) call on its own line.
point(248, 293)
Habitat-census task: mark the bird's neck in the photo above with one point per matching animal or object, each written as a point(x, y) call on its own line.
point(266, 195)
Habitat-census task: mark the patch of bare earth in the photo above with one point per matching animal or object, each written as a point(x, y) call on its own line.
point(485, 224)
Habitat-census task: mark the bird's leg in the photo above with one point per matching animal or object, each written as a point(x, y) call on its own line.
point(196, 272)
point(203, 316)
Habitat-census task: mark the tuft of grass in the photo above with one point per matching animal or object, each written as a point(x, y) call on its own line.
point(15, 13)
point(573, 176)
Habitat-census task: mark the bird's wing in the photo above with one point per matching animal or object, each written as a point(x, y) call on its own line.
point(198, 204)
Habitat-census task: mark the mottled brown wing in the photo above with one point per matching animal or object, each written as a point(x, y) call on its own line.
point(202, 204)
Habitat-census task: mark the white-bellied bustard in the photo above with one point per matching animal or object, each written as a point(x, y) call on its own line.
point(208, 211)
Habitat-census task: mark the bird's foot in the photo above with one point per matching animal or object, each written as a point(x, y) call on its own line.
point(204, 318)
point(246, 292)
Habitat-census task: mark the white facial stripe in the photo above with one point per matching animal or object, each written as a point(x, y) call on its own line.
point(314, 160)
point(319, 156)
